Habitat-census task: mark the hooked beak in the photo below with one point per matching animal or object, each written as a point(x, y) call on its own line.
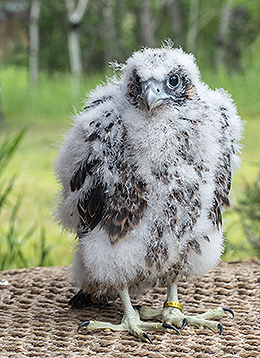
point(153, 94)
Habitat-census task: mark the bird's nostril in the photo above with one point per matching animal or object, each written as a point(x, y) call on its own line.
point(158, 90)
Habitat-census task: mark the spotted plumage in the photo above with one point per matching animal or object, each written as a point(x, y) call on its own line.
point(145, 174)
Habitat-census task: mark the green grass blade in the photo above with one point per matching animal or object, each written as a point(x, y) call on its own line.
point(8, 147)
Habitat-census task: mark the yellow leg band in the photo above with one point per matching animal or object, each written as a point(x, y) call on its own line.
point(173, 304)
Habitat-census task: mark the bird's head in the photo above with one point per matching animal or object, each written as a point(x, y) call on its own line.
point(160, 77)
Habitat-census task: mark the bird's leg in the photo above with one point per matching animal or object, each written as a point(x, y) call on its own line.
point(171, 301)
point(172, 313)
point(152, 313)
point(131, 321)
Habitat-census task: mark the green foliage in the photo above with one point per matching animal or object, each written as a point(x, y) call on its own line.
point(7, 150)
point(53, 100)
point(112, 30)
point(249, 211)
point(12, 242)
point(53, 36)
point(115, 37)
point(244, 87)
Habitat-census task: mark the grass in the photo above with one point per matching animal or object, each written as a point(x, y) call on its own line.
point(51, 102)
point(47, 112)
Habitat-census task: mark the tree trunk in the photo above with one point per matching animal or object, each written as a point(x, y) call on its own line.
point(34, 42)
point(75, 15)
point(75, 51)
point(193, 26)
point(147, 24)
point(223, 33)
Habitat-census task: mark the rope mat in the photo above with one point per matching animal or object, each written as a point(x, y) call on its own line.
point(36, 321)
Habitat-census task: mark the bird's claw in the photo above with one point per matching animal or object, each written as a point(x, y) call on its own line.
point(84, 324)
point(220, 327)
point(146, 338)
point(184, 323)
point(170, 326)
point(225, 309)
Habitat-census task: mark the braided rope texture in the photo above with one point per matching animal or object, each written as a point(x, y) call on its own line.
point(36, 321)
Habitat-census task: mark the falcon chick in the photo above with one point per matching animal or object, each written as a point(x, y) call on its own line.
point(145, 174)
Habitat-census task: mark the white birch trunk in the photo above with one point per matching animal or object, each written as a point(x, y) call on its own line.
point(75, 15)
point(34, 42)
point(75, 52)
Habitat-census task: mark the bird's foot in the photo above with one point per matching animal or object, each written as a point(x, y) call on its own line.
point(204, 320)
point(174, 316)
point(131, 323)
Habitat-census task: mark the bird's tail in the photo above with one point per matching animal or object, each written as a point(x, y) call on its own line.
point(82, 299)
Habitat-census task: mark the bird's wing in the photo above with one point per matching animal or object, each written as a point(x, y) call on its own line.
point(107, 189)
point(223, 173)
point(92, 204)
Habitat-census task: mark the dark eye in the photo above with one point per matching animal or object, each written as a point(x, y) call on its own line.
point(173, 81)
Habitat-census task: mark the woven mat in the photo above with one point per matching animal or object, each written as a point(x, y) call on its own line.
point(35, 320)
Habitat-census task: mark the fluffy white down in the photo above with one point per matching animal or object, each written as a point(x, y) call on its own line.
point(154, 141)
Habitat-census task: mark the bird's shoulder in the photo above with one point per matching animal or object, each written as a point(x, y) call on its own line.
point(97, 131)
point(101, 115)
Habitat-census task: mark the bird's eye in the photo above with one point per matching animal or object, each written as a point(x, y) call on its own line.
point(173, 81)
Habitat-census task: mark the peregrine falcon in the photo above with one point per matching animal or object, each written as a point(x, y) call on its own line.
point(145, 174)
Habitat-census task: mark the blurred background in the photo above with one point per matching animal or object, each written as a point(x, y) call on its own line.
point(53, 52)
